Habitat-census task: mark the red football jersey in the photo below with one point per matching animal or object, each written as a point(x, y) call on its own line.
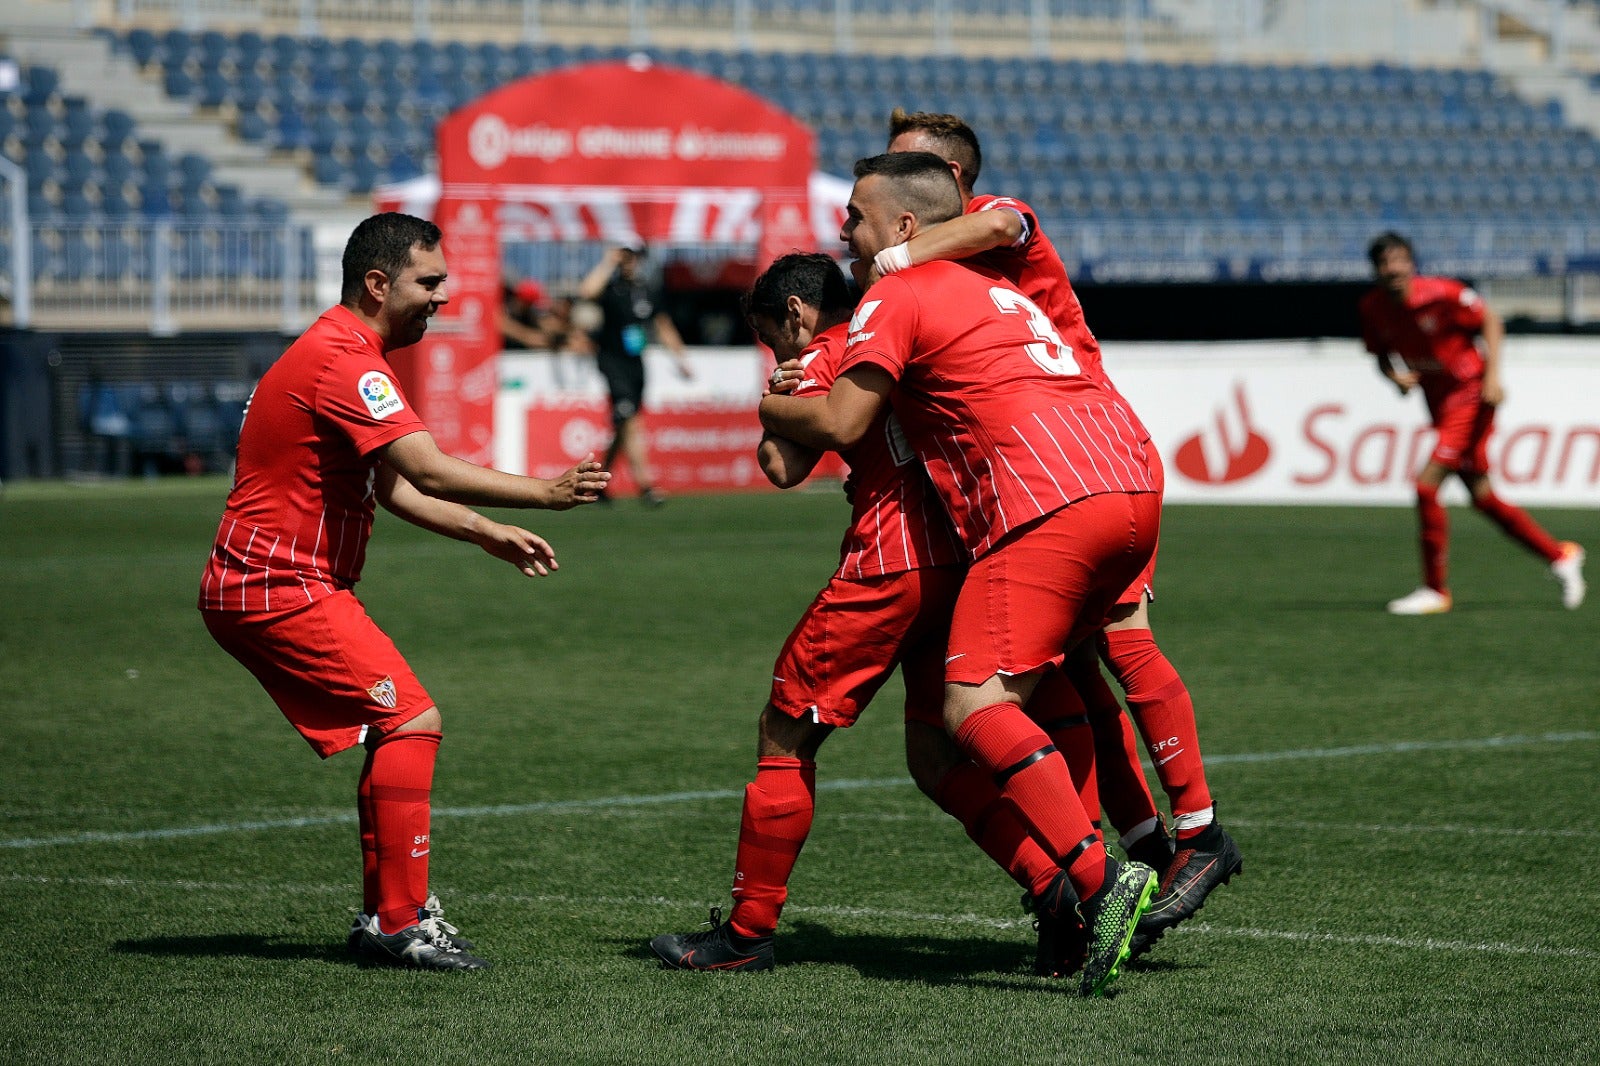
point(896, 522)
point(297, 520)
point(1008, 425)
point(1034, 266)
point(1435, 331)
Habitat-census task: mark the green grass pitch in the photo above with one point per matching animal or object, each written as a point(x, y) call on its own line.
point(1414, 798)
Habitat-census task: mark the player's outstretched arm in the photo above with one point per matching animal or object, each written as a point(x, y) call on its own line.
point(833, 422)
point(418, 459)
point(528, 552)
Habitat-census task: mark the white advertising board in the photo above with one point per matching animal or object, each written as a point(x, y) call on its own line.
point(1313, 422)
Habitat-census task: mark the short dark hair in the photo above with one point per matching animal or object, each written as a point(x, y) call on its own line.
point(924, 183)
point(383, 242)
point(956, 141)
point(812, 276)
point(1385, 242)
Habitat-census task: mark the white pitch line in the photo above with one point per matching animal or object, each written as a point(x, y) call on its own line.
point(1451, 830)
point(623, 802)
point(1401, 942)
point(1193, 928)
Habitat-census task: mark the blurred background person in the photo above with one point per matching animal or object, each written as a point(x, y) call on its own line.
point(630, 303)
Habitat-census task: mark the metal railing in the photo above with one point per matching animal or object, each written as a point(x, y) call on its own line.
point(159, 276)
point(945, 26)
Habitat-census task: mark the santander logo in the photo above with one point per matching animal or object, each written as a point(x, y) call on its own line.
point(1231, 450)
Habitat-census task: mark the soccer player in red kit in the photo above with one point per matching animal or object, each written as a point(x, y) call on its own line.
point(1003, 233)
point(327, 435)
point(888, 604)
point(1433, 325)
point(1047, 484)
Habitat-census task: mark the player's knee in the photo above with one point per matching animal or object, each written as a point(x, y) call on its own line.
point(783, 735)
point(430, 721)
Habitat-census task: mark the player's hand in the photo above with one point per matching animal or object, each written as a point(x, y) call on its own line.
point(582, 484)
point(685, 370)
point(1406, 380)
point(786, 377)
point(528, 552)
point(1494, 393)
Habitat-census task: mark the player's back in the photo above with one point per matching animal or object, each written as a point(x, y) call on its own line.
point(992, 398)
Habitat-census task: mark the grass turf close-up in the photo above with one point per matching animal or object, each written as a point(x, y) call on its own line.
point(1413, 798)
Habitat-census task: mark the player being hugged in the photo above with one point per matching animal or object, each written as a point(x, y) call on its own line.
point(1047, 484)
point(327, 436)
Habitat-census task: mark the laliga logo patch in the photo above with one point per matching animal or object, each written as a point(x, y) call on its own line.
point(384, 693)
point(380, 395)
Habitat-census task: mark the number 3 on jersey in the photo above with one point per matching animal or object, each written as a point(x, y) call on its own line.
point(1050, 352)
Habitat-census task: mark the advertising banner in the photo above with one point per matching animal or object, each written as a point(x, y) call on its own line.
point(702, 434)
point(1313, 422)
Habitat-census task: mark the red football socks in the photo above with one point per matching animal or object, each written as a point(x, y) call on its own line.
point(968, 795)
point(1121, 787)
point(1434, 524)
point(1160, 704)
point(1518, 525)
point(1059, 710)
point(401, 785)
point(778, 808)
point(369, 839)
point(1020, 760)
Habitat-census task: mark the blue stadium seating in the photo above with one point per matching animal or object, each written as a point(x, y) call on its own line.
point(1114, 139)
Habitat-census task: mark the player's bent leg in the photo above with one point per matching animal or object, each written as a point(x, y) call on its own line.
point(399, 781)
point(1121, 786)
point(779, 806)
point(968, 795)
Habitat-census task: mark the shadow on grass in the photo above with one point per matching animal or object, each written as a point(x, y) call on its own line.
point(970, 961)
point(233, 945)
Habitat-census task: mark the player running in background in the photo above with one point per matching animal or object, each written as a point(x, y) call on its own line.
point(1433, 324)
point(1046, 482)
point(327, 435)
point(888, 605)
point(1003, 233)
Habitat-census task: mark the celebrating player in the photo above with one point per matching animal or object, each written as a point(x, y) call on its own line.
point(327, 435)
point(1003, 233)
point(1433, 324)
point(888, 604)
point(1047, 484)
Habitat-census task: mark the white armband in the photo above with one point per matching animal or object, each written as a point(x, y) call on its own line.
point(892, 259)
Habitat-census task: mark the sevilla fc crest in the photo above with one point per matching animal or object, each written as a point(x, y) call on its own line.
point(384, 692)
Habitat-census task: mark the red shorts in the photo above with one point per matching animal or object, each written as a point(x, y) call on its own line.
point(853, 636)
point(1464, 423)
point(332, 672)
point(1143, 589)
point(1049, 584)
